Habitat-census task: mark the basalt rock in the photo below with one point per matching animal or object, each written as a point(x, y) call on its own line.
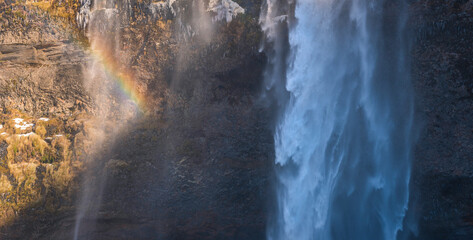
point(442, 74)
point(196, 163)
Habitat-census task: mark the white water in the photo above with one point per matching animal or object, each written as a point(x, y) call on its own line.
point(343, 144)
point(101, 22)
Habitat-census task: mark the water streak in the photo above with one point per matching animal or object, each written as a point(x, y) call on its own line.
point(344, 142)
point(116, 104)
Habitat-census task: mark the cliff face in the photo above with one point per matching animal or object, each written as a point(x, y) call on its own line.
point(198, 165)
point(195, 163)
point(41, 67)
point(43, 106)
point(442, 73)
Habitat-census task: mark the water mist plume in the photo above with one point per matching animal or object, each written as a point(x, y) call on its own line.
point(103, 75)
point(344, 142)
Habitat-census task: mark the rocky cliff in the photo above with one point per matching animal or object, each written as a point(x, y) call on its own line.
point(442, 73)
point(43, 106)
point(196, 161)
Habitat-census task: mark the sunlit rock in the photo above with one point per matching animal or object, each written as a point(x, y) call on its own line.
point(84, 13)
point(160, 9)
point(225, 10)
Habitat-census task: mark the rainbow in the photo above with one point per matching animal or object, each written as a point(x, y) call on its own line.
point(122, 76)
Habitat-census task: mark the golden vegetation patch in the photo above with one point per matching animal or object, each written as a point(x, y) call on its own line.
point(39, 164)
point(64, 8)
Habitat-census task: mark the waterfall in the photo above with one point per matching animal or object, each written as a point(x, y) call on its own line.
point(343, 143)
point(101, 21)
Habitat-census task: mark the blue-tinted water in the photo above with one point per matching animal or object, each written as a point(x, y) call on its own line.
point(344, 141)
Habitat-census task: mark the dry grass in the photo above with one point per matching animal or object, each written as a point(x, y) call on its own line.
point(61, 144)
point(64, 9)
point(24, 173)
point(35, 172)
point(28, 148)
point(5, 185)
point(41, 131)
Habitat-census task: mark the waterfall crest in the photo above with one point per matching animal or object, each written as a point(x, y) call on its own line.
point(344, 142)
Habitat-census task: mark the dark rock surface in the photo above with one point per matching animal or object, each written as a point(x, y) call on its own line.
point(198, 163)
point(442, 73)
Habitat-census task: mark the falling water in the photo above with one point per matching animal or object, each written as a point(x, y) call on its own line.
point(113, 109)
point(343, 144)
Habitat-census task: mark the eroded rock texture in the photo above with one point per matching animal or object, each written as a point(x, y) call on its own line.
point(442, 67)
point(196, 162)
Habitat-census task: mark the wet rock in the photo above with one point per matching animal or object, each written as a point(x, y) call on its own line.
point(3, 150)
point(443, 76)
